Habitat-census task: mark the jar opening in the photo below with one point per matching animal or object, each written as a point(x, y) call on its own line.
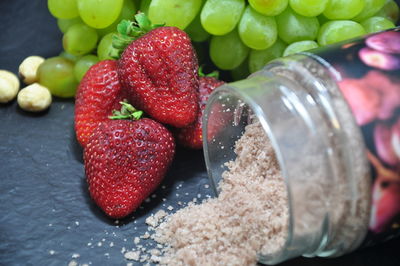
point(227, 117)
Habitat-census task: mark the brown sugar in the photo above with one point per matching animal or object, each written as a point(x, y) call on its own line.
point(249, 216)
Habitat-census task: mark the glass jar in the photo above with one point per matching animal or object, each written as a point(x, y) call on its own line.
point(311, 108)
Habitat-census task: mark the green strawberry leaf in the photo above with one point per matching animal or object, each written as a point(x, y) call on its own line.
point(214, 74)
point(127, 112)
point(128, 31)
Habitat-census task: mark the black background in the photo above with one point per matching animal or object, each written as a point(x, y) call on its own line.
point(46, 216)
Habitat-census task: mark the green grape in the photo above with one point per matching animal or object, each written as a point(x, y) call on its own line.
point(105, 47)
point(375, 24)
point(228, 51)
point(57, 74)
point(83, 65)
point(220, 17)
point(390, 11)
point(80, 39)
point(340, 30)
point(257, 31)
point(269, 7)
point(293, 27)
point(144, 6)
point(259, 58)
point(99, 13)
point(308, 8)
point(371, 7)
point(242, 71)
point(176, 13)
point(298, 47)
point(63, 8)
point(128, 11)
point(343, 9)
point(65, 23)
point(69, 56)
point(196, 31)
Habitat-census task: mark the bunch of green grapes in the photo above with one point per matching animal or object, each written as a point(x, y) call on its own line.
point(244, 35)
point(239, 36)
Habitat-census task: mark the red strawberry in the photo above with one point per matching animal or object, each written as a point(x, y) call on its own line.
point(192, 136)
point(98, 94)
point(159, 69)
point(125, 161)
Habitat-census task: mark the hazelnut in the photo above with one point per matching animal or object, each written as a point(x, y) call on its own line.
point(34, 98)
point(9, 86)
point(29, 67)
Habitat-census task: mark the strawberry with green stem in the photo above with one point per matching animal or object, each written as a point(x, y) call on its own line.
point(158, 67)
point(125, 160)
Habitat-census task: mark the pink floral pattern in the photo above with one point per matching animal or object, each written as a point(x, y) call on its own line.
point(374, 98)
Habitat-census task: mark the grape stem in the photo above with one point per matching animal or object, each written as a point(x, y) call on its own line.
point(128, 31)
point(127, 112)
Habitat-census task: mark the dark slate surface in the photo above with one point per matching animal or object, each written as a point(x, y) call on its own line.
point(46, 216)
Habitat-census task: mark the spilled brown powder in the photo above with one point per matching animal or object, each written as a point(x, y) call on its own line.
point(248, 217)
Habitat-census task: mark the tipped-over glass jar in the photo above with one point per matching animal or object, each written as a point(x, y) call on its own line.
point(333, 118)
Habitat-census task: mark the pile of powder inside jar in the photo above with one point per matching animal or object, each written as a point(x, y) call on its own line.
point(249, 216)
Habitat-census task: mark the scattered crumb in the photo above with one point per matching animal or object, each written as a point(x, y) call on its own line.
point(155, 252)
point(170, 208)
point(146, 235)
point(136, 240)
point(144, 258)
point(52, 252)
point(73, 263)
point(132, 255)
point(155, 259)
point(155, 219)
point(75, 255)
